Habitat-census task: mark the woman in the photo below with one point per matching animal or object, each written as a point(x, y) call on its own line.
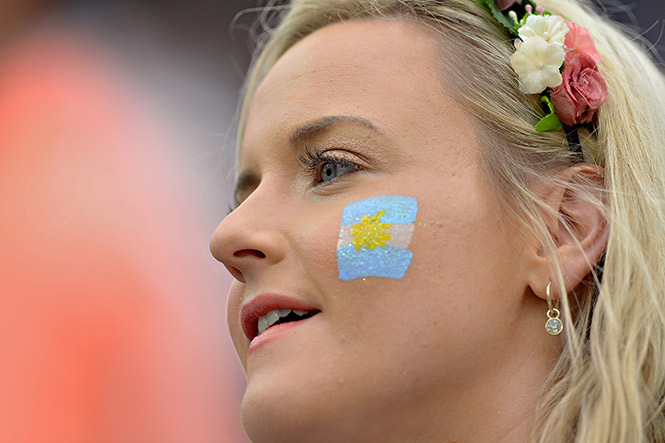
point(418, 195)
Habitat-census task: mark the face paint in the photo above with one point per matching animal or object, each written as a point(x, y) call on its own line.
point(374, 237)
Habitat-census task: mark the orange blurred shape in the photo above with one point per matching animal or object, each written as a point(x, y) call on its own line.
point(101, 337)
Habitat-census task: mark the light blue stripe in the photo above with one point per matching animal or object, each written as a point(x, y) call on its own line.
point(389, 261)
point(399, 209)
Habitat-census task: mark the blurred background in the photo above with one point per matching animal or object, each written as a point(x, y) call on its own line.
point(116, 139)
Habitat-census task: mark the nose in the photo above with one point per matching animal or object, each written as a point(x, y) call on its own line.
point(247, 241)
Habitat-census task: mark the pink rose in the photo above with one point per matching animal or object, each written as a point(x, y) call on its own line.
point(505, 4)
point(582, 91)
point(579, 40)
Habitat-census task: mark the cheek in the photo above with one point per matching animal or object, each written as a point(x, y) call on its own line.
point(319, 246)
point(375, 237)
point(463, 252)
point(370, 238)
point(359, 253)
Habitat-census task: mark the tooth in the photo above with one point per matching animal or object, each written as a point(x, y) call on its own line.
point(272, 317)
point(284, 312)
point(301, 313)
point(263, 324)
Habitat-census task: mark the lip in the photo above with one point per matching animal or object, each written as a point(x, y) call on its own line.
point(273, 333)
point(262, 304)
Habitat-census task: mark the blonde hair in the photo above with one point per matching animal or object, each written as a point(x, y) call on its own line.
point(609, 382)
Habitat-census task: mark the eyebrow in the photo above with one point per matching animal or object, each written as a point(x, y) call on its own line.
point(312, 129)
point(300, 135)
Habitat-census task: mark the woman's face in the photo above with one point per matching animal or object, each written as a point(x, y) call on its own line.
point(353, 111)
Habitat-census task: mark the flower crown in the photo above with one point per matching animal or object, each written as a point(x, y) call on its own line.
point(555, 59)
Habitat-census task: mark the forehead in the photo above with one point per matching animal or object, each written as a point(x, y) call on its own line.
point(369, 46)
point(381, 68)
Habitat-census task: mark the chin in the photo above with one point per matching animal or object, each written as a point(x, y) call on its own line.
point(274, 413)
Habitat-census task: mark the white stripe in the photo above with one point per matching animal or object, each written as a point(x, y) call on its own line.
point(400, 235)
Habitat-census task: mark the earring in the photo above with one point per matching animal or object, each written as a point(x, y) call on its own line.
point(554, 325)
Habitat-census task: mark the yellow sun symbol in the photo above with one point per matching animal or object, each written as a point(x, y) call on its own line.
point(370, 232)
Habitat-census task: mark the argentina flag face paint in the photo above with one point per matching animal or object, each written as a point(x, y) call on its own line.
point(374, 237)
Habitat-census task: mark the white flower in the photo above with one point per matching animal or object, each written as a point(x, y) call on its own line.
point(537, 64)
point(551, 28)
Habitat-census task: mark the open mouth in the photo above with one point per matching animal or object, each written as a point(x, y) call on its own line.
point(279, 316)
point(269, 310)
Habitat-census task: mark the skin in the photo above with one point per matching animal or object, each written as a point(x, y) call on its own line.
point(454, 351)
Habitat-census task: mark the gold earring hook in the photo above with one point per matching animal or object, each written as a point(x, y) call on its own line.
point(554, 325)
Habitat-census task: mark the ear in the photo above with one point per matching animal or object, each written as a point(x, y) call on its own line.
point(577, 227)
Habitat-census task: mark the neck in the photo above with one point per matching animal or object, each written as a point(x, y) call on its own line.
point(500, 405)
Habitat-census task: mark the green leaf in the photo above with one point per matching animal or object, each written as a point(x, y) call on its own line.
point(550, 122)
point(521, 23)
point(485, 3)
point(502, 18)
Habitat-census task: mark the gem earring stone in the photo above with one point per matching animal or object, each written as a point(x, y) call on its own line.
point(554, 325)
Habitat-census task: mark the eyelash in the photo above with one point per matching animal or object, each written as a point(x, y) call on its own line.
point(312, 162)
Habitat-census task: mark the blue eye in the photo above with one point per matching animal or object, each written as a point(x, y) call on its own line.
point(332, 169)
point(325, 167)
